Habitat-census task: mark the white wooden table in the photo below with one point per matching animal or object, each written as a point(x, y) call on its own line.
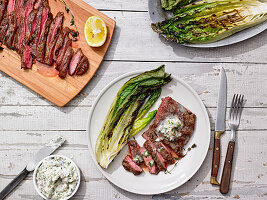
point(28, 121)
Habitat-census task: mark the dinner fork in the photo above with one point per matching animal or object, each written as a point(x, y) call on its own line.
point(233, 122)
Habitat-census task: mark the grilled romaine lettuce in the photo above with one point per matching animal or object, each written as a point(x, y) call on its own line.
point(209, 21)
point(126, 114)
point(172, 4)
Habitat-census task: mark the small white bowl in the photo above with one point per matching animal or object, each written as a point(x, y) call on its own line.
point(35, 172)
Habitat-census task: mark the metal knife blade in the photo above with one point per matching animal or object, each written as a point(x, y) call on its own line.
point(45, 151)
point(222, 100)
point(219, 127)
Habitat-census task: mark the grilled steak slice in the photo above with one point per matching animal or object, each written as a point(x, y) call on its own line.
point(152, 149)
point(149, 162)
point(75, 61)
point(27, 9)
point(3, 28)
point(39, 3)
point(131, 166)
point(19, 10)
point(134, 150)
point(83, 66)
point(3, 7)
point(19, 37)
point(6, 21)
point(43, 19)
point(10, 7)
point(60, 42)
point(150, 135)
point(63, 50)
point(32, 22)
point(54, 30)
point(10, 32)
point(177, 146)
point(164, 151)
point(27, 59)
point(65, 64)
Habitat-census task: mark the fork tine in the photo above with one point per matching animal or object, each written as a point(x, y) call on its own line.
point(235, 107)
point(232, 107)
point(240, 107)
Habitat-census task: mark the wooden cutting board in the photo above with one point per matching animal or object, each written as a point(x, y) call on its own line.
point(61, 91)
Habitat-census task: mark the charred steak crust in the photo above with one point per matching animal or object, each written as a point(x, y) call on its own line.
point(31, 27)
point(10, 32)
point(65, 64)
point(83, 66)
point(3, 7)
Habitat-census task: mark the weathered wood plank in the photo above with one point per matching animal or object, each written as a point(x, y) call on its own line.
point(75, 118)
point(249, 176)
point(104, 190)
point(250, 79)
point(138, 5)
point(135, 40)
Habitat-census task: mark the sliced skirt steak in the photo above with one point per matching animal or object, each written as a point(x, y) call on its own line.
point(53, 33)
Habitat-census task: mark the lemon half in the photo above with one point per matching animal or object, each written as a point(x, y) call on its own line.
point(95, 31)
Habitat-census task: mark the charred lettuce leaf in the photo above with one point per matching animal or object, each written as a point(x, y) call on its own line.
point(209, 21)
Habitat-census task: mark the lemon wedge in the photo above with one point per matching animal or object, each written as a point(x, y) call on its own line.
point(95, 31)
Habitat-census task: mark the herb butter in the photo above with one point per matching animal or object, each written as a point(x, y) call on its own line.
point(57, 178)
point(169, 128)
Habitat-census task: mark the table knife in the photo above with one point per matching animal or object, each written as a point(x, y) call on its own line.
point(42, 153)
point(219, 127)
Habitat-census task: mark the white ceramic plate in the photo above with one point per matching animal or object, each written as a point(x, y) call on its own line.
point(157, 14)
point(147, 183)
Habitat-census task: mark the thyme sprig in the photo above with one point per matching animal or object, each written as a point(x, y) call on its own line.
point(74, 33)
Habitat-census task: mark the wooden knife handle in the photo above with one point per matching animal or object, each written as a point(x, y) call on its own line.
point(227, 168)
point(216, 157)
point(215, 161)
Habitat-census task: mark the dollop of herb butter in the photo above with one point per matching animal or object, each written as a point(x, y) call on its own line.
point(57, 178)
point(170, 128)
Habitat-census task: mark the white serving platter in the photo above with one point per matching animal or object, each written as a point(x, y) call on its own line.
point(146, 183)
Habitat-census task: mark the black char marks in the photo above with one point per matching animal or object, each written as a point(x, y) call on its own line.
point(54, 32)
point(32, 21)
point(83, 66)
point(3, 7)
point(8, 24)
point(65, 64)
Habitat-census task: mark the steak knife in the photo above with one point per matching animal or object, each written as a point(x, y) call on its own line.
point(219, 127)
point(42, 153)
